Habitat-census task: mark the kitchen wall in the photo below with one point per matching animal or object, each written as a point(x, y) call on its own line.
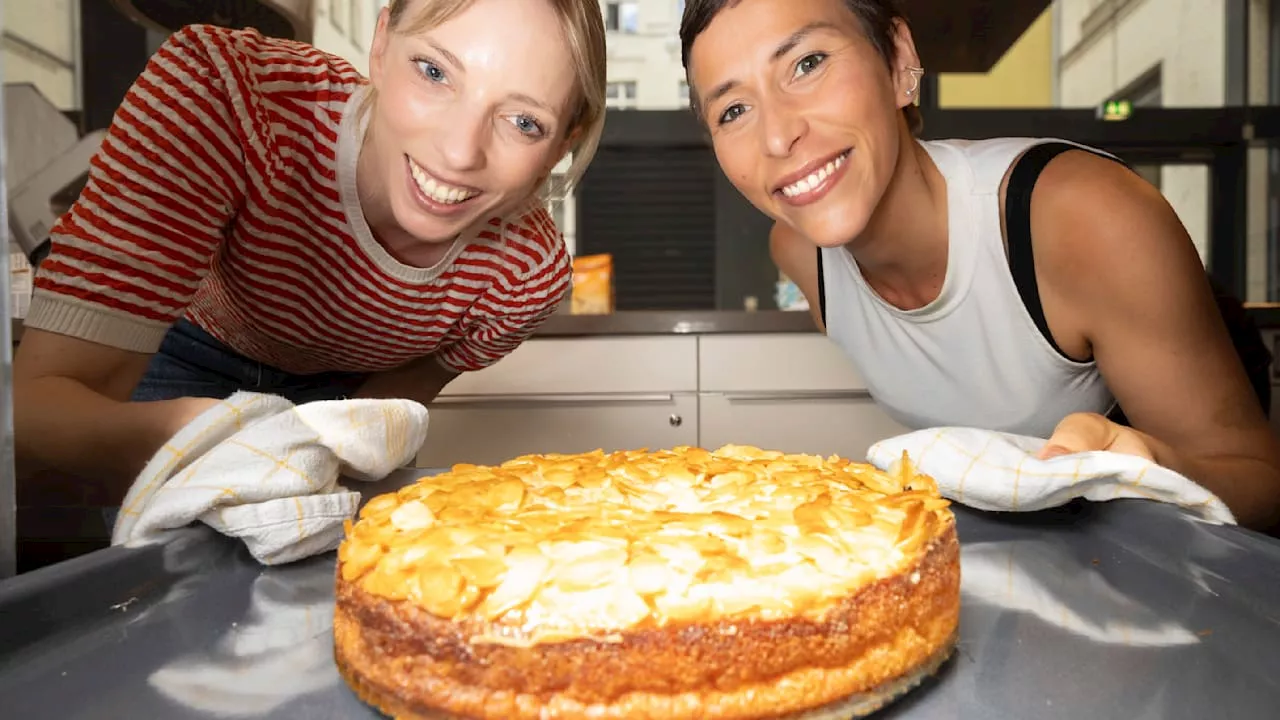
point(41, 42)
point(345, 28)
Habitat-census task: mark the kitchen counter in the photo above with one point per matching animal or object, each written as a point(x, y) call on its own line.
point(710, 322)
point(677, 322)
point(1127, 609)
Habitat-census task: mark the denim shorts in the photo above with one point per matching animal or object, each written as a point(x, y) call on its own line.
point(193, 363)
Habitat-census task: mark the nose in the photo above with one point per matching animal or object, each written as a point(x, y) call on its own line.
point(463, 141)
point(783, 127)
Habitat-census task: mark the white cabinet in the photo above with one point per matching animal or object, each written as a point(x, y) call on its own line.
point(569, 395)
point(790, 391)
point(645, 363)
point(843, 423)
point(491, 429)
point(780, 362)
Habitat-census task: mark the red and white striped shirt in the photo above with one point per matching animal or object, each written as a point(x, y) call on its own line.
point(225, 191)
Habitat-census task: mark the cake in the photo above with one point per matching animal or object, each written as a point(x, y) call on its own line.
point(685, 583)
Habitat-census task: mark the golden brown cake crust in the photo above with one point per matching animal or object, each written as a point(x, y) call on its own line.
point(736, 584)
point(413, 665)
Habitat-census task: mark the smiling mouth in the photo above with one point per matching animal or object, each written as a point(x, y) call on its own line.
point(438, 190)
point(815, 179)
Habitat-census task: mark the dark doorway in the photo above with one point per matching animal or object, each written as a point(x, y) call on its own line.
point(653, 209)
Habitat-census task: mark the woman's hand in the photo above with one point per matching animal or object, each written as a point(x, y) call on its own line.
point(1083, 432)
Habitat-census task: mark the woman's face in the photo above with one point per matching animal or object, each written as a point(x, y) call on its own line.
point(804, 112)
point(470, 115)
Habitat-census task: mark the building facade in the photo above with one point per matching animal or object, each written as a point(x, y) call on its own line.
point(643, 41)
point(1175, 54)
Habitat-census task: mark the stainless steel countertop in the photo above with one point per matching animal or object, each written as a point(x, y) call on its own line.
point(1127, 609)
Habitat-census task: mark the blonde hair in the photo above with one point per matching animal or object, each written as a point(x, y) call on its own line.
point(584, 30)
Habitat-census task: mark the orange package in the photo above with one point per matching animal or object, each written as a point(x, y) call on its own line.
point(592, 285)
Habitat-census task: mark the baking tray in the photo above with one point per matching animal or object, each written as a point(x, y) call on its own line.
point(1127, 609)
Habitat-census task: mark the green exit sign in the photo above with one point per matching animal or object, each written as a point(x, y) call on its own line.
point(1116, 110)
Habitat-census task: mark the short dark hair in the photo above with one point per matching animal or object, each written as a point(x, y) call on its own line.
point(877, 18)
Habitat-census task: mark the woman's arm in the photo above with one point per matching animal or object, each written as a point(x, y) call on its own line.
point(71, 411)
point(126, 260)
point(420, 381)
point(1114, 261)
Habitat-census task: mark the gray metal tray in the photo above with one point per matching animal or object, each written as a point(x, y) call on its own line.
point(1126, 609)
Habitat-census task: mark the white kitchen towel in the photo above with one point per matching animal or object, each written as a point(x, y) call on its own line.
point(259, 468)
point(999, 471)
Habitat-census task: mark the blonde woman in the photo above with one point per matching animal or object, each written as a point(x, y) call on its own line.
point(262, 217)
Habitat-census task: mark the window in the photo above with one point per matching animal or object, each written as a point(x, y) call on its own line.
point(622, 16)
point(561, 202)
point(1146, 92)
point(621, 94)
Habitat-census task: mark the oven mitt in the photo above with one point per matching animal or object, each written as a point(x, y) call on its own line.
point(990, 470)
point(258, 468)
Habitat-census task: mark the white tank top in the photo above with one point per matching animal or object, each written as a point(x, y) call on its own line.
point(973, 356)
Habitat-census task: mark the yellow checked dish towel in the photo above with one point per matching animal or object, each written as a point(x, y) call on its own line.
point(999, 471)
point(259, 468)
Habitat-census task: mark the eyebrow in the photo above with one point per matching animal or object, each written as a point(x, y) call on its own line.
point(450, 57)
point(783, 48)
point(521, 97)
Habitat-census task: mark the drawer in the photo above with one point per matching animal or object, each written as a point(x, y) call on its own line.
point(492, 429)
point(588, 365)
point(774, 362)
point(843, 423)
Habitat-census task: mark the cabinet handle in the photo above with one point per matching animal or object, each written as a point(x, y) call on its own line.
point(675, 420)
point(552, 399)
point(793, 395)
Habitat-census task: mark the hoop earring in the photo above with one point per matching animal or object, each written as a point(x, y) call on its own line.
point(916, 74)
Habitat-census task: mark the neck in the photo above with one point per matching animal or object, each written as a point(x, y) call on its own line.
point(902, 253)
point(376, 207)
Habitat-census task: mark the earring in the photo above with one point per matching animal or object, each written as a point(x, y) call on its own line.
point(916, 74)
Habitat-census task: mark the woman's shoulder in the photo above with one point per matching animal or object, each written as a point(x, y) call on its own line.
point(269, 67)
point(530, 240)
point(1094, 220)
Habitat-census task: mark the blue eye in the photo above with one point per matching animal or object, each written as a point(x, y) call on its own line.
point(528, 126)
point(809, 63)
point(430, 70)
point(731, 113)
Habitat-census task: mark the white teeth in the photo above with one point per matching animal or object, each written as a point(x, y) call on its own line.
point(814, 179)
point(436, 190)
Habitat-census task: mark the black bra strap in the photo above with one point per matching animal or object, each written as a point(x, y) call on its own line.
point(822, 290)
point(1017, 214)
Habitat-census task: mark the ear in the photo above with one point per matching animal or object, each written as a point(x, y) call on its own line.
point(904, 58)
point(377, 53)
